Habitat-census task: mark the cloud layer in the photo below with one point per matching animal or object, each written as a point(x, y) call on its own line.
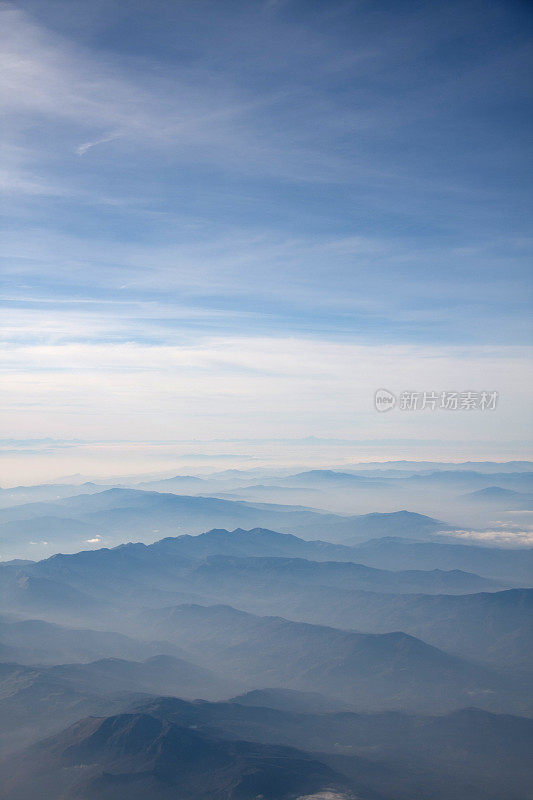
point(240, 219)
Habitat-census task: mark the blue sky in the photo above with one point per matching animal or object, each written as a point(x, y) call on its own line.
point(222, 214)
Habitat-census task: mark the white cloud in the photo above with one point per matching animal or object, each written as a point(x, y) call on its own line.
point(84, 148)
point(77, 365)
point(206, 110)
point(198, 111)
point(517, 538)
point(253, 387)
point(379, 279)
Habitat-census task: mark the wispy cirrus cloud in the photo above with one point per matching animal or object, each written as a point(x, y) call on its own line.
point(196, 112)
point(254, 387)
point(228, 217)
point(86, 146)
point(368, 286)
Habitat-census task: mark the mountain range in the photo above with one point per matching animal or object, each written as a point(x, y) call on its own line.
point(134, 756)
point(166, 747)
point(492, 627)
point(346, 664)
point(373, 671)
point(115, 515)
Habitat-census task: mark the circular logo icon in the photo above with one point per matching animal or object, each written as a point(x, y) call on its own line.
point(384, 400)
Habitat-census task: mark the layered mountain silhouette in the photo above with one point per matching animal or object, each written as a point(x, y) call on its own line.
point(500, 498)
point(118, 514)
point(17, 495)
point(494, 627)
point(218, 548)
point(134, 756)
point(465, 754)
point(506, 564)
point(166, 747)
point(35, 700)
point(33, 641)
point(373, 671)
point(248, 662)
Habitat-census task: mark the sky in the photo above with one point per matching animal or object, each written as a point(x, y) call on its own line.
point(238, 220)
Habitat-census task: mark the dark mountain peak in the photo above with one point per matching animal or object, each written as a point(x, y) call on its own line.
point(124, 734)
point(403, 515)
point(119, 491)
point(323, 473)
point(130, 547)
point(180, 478)
point(140, 755)
point(242, 533)
point(216, 609)
point(290, 700)
point(493, 491)
point(258, 532)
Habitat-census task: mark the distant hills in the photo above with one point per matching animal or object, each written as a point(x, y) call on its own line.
point(262, 663)
point(291, 700)
point(115, 515)
point(501, 498)
point(134, 756)
point(491, 628)
point(466, 754)
point(481, 622)
point(373, 671)
point(265, 633)
point(46, 492)
point(330, 504)
point(161, 674)
point(216, 571)
point(166, 747)
point(390, 553)
point(182, 570)
point(33, 641)
point(37, 700)
point(511, 564)
point(484, 467)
